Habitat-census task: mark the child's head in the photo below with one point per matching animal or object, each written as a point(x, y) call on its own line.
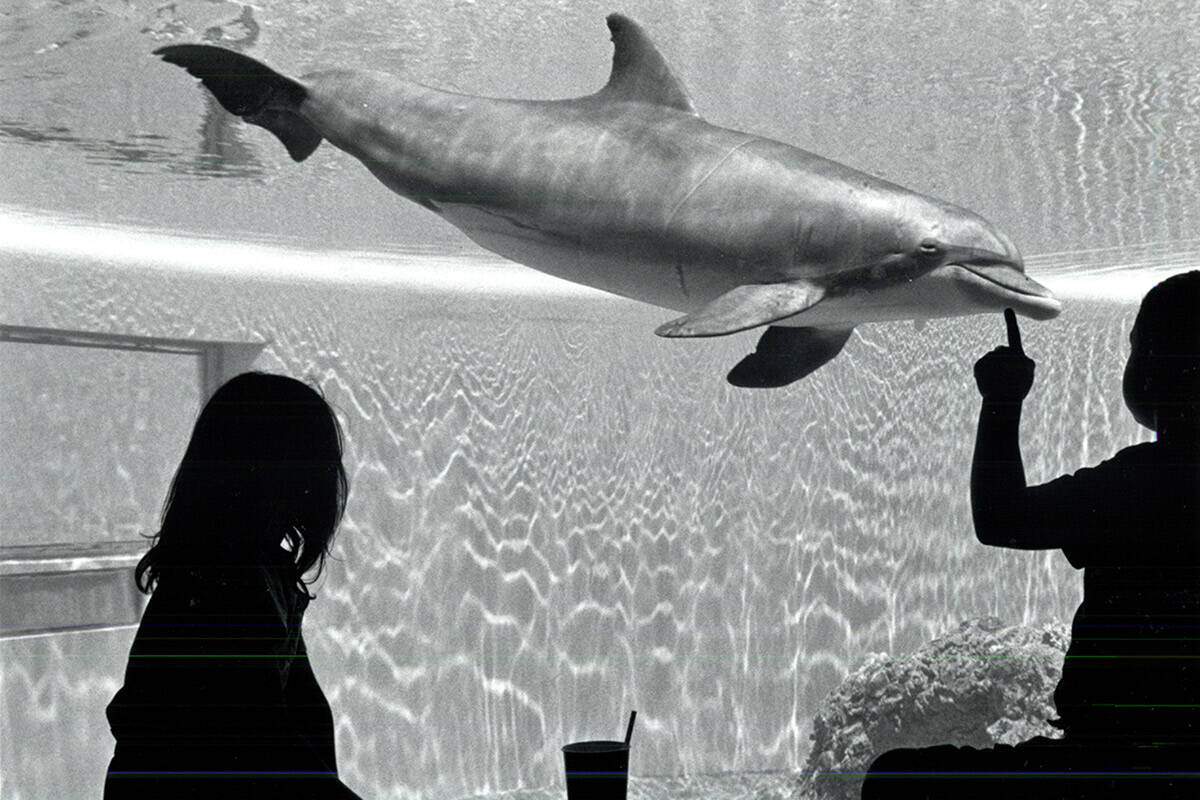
point(1162, 377)
point(264, 464)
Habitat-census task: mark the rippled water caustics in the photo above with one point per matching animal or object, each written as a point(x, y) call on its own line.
point(572, 528)
point(557, 517)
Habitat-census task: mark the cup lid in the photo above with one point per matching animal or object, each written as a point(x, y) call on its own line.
point(598, 746)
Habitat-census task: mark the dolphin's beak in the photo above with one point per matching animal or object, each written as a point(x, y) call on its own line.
point(1004, 276)
point(1007, 277)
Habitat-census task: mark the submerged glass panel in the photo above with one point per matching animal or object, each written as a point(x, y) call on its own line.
point(89, 440)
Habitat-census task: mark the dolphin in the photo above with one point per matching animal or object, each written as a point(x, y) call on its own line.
point(629, 190)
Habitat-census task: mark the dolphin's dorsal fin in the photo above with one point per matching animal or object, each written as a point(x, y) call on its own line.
point(639, 72)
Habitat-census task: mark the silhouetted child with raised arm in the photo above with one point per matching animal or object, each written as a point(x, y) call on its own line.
point(1129, 697)
point(219, 699)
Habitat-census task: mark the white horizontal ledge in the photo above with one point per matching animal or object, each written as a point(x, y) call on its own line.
point(36, 566)
point(51, 237)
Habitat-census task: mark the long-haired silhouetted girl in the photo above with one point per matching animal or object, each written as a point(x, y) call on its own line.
point(219, 697)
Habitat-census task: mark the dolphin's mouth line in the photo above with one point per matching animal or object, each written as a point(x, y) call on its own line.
point(1006, 283)
point(1005, 276)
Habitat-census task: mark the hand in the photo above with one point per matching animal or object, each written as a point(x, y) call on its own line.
point(1005, 374)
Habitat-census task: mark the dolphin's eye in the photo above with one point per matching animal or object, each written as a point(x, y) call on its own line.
point(929, 248)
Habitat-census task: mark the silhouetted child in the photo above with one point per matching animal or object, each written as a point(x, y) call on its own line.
point(219, 699)
point(1129, 697)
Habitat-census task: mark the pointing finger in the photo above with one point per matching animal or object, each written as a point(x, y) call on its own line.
point(1014, 334)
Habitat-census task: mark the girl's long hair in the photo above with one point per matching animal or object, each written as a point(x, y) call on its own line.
point(264, 466)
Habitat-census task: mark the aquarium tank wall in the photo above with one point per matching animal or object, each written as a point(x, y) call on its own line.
point(555, 516)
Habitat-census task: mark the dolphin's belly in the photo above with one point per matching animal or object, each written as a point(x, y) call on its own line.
point(628, 272)
point(936, 294)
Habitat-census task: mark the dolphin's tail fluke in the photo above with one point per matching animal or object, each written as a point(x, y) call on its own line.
point(253, 91)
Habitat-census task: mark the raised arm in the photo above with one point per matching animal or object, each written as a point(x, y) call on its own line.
point(999, 498)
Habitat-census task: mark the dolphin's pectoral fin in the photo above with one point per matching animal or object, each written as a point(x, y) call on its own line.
point(784, 355)
point(639, 72)
point(745, 307)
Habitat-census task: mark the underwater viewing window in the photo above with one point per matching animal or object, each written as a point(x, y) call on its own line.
point(92, 427)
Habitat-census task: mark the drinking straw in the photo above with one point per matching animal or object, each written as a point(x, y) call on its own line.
point(629, 730)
